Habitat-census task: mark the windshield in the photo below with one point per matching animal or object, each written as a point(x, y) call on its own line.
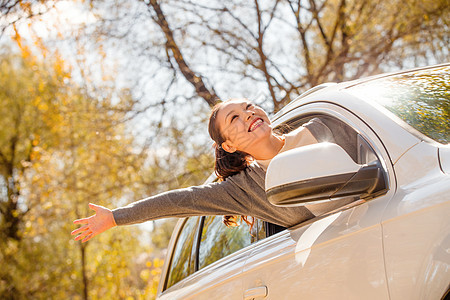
point(421, 99)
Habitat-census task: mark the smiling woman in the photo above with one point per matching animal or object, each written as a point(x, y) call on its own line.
point(242, 126)
point(241, 132)
point(245, 143)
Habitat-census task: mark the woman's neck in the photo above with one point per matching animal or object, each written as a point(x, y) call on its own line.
point(269, 148)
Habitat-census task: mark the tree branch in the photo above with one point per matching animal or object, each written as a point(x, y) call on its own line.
point(262, 56)
point(302, 32)
point(196, 80)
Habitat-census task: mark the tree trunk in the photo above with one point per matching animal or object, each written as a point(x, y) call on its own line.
point(83, 271)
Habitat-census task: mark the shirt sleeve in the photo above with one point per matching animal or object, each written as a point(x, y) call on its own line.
point(319, 130)
point(343, 135)
point(218, 198)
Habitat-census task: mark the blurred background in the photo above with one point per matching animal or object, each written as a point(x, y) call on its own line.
point(107, 102)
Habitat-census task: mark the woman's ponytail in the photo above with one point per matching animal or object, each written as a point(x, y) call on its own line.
point(228, 164)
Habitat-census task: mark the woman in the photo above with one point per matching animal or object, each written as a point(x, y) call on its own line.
point(245, 143)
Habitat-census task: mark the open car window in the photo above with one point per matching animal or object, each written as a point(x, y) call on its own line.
point(357, 148)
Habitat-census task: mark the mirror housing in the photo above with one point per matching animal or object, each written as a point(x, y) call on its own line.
point(320, 172)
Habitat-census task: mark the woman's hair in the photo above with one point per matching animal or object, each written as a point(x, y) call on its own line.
point(227, 164)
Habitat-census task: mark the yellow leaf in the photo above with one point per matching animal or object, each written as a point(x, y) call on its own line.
point(145, 274)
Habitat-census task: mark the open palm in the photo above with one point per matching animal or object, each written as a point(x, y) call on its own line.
point(93, 225)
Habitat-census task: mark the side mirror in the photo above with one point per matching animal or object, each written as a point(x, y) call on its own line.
point(320, 172)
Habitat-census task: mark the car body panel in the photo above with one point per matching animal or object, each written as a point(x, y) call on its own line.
point(444, 158)
point(416, 228)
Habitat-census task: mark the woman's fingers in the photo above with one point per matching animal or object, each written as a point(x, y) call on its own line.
point(83, 235)
point(82, 228)
point(81, 221)
point(94, 207)
point(88, 238)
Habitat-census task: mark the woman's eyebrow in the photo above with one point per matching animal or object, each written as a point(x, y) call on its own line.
point(244, 105)
point(228, 114)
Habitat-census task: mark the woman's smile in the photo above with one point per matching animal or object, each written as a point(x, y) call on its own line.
point(255, 124)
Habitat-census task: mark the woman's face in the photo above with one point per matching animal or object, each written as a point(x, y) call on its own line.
point(243, 125)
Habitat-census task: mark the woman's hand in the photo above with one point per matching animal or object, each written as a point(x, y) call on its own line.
point(96, 224)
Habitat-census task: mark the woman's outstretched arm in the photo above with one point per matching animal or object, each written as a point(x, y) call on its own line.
point(101, 221)
point(210, 199)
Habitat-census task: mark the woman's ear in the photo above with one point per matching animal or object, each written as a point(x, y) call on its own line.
point(227, 146)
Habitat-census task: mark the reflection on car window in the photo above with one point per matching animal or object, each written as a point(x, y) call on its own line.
point(182, 264)
point(218, 240)
point(421, 99)
point(259, 230)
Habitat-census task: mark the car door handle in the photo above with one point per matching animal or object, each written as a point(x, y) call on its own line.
point(260, 291)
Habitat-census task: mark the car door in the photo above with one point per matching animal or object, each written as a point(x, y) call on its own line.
point(335, 256)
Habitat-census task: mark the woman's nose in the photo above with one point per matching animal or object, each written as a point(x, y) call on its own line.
point(249, 114)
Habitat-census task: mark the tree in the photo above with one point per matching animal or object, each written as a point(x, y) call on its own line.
point(293, 45)
point(27, 109)
point(61, 148)
point(79, 149)
point(28, 115)
point(281, 47)
point(172, 46)
point(75, 127)
point(13, 11)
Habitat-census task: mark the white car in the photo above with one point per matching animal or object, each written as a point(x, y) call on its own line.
point(392, 242)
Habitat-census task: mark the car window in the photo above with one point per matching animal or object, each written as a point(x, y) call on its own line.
point(261, 230)
point(182, 262)
point(420, 98)
point(218, 240)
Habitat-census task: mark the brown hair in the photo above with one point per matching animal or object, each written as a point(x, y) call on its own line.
point(226, 163)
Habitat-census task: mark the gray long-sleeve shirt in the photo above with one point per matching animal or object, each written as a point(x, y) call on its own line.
point(240, 194)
